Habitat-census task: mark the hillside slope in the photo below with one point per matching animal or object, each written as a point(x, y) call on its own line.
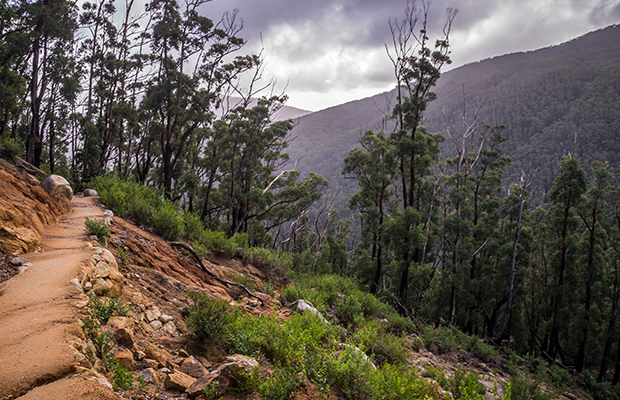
point(555, 100)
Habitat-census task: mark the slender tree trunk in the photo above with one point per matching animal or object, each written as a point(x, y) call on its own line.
point(513, 263)
point(554, 341)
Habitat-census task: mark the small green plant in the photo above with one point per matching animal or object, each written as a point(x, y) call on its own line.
point(208, 318)
point(212, 391)
point(122, 379)
point(123, 256)
point(102, 309)
point(99, 229)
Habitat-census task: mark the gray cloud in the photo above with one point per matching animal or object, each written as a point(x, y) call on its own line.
point(335, 49)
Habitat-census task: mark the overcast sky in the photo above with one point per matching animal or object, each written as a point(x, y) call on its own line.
point(332, 51)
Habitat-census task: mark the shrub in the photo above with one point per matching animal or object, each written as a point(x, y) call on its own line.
point(122, 379)
point(401, 383)
point(353, 373)
point(102, 309)
point(167, 222)
point(218, 243)
point(99, 229)
point(11, 146)
point(281, 386)
point(208, 318)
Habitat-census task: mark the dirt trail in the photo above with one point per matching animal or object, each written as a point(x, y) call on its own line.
point(38, 315)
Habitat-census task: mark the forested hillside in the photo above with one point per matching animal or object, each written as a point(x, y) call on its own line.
point(553, 101)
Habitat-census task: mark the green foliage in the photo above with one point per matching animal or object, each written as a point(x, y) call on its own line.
point(212, 391)
point(280, 386)
point(353, 373)
point(99, 229)
point(168, 222)
point(11, 146)
point(523, 388)
point(102, 309)
point(121, 378)
point(122, 256)
point(208, 318)
point(399, 382)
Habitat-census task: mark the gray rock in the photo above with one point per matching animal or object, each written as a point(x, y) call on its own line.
point(17, 261)
point(108, 213)
point(165, 318)
point(77, 285)
point(101, 287)
point(169, 328)
point(21, 269)
point(156, 324)
point(152, 314)
point(56, 185)
point(102, 270)
point(90, 193)
point(149, 375)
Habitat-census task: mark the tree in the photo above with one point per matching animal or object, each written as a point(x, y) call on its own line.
point(565, 194)
point(417, 69)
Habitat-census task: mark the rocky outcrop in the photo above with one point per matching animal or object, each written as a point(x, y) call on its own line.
point(56, 185)
point(19, 240)
point(25, 208)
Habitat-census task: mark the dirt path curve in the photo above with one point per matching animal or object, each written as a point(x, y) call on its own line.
point(38, 316)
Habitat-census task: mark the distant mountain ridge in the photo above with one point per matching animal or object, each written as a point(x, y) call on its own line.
point(559, 99)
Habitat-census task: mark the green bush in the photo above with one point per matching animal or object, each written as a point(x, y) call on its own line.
point(121, 378)
point(99, 229)
point(208, 317)
point(281, 386)
point(353, 373)
point(11, 146)
point(218, 243)
point(102, 309)
point(402, 383)
point(167, 222)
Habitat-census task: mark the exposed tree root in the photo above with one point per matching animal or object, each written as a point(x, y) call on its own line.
point(211, 273)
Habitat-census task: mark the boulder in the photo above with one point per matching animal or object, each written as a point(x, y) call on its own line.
point(19, 240)
point(56, 185)
point(149, 375)
point(125, 359)
point(102, 270)
point(197, 388)
point(17, 261)
point(192, 367)
point(101, 287)
point(302, 306)
point(161, 356)
point(152, 314)
point(90, 193)
point(236, 366)
point(169, 328)
point(178, 381)
point(124, 337)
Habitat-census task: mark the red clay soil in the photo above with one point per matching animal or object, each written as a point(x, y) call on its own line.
point(39, 316)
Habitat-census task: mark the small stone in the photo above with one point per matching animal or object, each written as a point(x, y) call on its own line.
point(183, 353)
point(17, 261)
point(88, 285)
point(27, 265)
point(152, 314)
point(125, 359)
point(77, 285)
point(90, 193)
point(165, 370)
point(21, 269)
point(102, 270)
point(178, 381)
point(140, 355)
point(151, 363)
point(108, 213)
point(165, 318)
point(122, 322)
point(169, 328)
point(150, 375)
point(156, 325)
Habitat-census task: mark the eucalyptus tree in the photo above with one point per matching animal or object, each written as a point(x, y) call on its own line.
point(374, 166)
point(566, 194)
point(417, 66)
point(181, 95)
point(253, 148)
